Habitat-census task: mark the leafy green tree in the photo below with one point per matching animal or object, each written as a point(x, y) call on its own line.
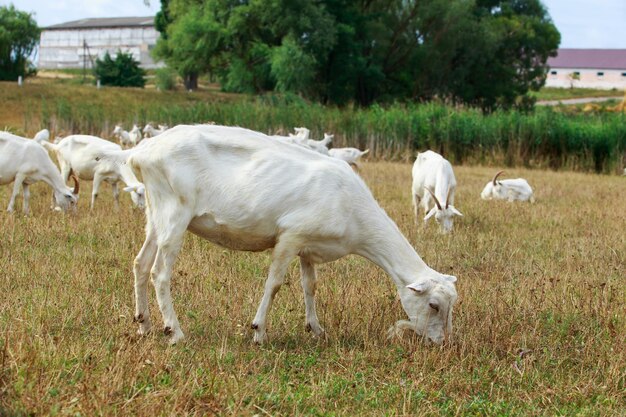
point(123, 71)
point(485, 53)
point(19, 36)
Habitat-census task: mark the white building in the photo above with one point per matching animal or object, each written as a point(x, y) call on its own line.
point(80, 42)
point(602, 69)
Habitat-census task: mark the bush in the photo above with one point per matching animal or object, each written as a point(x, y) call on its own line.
point(165, 79)
point(123, 71)
point(19, 36)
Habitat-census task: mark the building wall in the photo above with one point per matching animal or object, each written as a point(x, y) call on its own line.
point(63, 48)
point(589, 78)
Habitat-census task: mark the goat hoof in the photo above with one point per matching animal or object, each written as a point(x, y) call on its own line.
point(308, 327)
point(167, 331)
point(254, 326)
point(138, 318)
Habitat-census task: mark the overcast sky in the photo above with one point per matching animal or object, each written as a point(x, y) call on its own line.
point(582, 23)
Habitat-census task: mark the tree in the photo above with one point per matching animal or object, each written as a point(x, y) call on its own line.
point(486, 53)
point(19, 36)
point(123, 71)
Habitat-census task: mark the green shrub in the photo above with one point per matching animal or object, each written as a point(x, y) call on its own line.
point(123, 71)
point(165, 79)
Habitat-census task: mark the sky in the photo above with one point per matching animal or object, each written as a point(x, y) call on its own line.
point(582, 23)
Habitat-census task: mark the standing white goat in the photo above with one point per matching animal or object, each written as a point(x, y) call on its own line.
point(434, 182)
point(511, 190)
point(78, 153)
point(42, 136)
point(135, 135)
point(25, 162)
point(350, 155)
point(242, 190)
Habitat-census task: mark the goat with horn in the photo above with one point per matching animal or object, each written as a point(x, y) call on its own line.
point(433, 179)
point(511, 189)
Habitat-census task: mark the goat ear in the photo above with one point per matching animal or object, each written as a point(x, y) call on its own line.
point(455, 211)
point(431, 213)
point(420, 287)
point(450, 278)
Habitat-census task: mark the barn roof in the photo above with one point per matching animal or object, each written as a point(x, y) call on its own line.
point(589, 58)
point(105, 22)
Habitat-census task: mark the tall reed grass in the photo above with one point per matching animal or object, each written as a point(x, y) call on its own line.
point(544, 138)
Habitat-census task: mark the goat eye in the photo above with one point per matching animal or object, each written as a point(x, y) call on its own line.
point(69, 197)
point(434, 306)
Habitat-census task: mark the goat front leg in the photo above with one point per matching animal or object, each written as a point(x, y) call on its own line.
point(283, 254)
point(19, 180)
point(309, 284)
point(169, 242)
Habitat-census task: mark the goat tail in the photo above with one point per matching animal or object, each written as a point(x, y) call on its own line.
point(365, 152)
point(49, 146)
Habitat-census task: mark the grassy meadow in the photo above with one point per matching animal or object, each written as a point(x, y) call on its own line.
point(539, 325)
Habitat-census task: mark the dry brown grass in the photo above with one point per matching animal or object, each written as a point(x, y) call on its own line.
point(545, 279)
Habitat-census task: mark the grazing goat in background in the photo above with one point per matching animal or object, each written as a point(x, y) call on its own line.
point(25, 162)
point(434, 182)
point(242, 190)
point(350, 155)
point(150, 131)
point(123, 136)
point(320, 146)
point(511, 190)
point(78, 153)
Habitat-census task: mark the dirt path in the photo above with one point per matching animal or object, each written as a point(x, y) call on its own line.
point(576, 101)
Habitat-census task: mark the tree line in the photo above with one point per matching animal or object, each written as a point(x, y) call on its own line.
point(484, 53)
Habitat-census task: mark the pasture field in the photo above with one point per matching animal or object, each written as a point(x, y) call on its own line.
point(539, 327)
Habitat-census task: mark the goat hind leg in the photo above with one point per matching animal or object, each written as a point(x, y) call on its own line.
point(19, 180)
point(309, 284)
point(282, 256)
point(169, 243)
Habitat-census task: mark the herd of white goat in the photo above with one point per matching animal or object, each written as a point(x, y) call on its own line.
point(248, 191)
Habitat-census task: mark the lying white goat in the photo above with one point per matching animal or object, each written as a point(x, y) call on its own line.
point(123, 136)
point(150, 131)
point(78, 153)
point(434, 181)
point(351, 155)
point(25, 162)
point(42, 136)
point(511, 190)
point(242, 190)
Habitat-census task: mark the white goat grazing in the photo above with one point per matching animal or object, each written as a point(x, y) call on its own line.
point(150, 131)
point(351, 155)
point(320, 146)
point(42, 136)
point(434, 182)
point(123, 136)
point(511, 190)
point(78, 153)
point(25, 162)
point(242, 190)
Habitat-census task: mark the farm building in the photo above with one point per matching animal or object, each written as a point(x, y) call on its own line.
point(603, 69)
point(80, 42)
